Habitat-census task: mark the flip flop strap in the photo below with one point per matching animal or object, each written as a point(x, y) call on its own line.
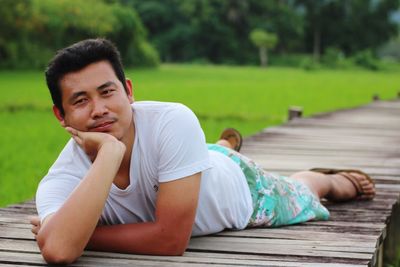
point(354, 181)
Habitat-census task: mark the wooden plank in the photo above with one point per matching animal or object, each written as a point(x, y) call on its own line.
point(205, 258)
point(16, 233)
point(251, 246)
point(189, 257)
point(301, 234)
point(35, 259)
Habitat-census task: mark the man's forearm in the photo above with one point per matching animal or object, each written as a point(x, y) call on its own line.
point(140, 238)
point(64, 236)
point(168, 235)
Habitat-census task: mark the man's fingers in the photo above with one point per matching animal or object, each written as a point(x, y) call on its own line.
point(72, 131)
point(76, 135)
point(35, 230)
point(34, 220)
point(78, 140)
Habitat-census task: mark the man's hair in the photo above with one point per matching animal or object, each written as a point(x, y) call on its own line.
point(77, 57)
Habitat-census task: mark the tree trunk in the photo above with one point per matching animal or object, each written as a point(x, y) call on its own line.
point(317, 44)
point(263, 56)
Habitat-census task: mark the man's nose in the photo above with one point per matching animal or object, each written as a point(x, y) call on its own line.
point(99, 109)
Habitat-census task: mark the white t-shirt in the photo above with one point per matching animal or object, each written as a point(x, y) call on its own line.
point(169, 145)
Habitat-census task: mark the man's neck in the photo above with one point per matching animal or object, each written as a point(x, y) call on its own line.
point(122, 178)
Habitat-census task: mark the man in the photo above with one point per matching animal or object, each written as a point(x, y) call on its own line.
point(138, 177)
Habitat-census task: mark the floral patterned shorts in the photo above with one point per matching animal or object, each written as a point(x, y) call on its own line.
point(277, 200)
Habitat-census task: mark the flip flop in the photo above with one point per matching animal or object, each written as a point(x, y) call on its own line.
point(233, 137)
point(361, 195)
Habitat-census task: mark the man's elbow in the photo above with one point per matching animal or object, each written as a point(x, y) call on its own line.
point(54, 254)
point(176, 249)
point(58, 257)
point(177, 244)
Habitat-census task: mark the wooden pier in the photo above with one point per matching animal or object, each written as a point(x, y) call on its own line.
point(358, 233)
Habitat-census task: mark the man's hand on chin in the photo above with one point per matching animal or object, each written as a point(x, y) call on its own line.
point(91, 142)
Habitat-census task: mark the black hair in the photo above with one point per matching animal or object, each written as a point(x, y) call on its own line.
point(77, 57)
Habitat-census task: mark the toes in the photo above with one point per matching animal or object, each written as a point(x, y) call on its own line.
point(364, 182)
point(369, 190)
point(367, 186)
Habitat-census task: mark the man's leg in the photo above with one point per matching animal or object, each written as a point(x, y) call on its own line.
point(334, 186)
point(331, 186)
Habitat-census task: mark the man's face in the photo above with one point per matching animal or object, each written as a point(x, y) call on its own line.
point(95, 100)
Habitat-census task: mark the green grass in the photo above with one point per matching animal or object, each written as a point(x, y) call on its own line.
point(30, 143)
point(248, 98)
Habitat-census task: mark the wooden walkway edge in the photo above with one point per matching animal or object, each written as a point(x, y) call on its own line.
point(358, 233)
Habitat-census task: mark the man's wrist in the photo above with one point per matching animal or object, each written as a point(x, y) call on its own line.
point(110, 156)
point(114, 147)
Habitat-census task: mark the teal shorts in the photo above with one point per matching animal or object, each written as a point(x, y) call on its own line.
point(277, 200)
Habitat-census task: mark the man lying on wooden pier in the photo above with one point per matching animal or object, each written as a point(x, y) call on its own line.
point(138, 177)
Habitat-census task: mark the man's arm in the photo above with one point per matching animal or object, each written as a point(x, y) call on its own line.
point(64, 234)
point(168, 235)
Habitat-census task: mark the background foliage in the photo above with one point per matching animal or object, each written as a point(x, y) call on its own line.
point(31, 30)
point(202, 31)
point(217, 30)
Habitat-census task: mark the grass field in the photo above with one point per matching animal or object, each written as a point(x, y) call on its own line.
point(248, 98)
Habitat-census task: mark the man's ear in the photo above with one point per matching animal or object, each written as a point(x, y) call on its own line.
point(59, 115)
point(129, 88)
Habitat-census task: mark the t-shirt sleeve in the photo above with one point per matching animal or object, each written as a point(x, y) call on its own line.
point(62, 178)
point(181, 145)
point(52, 193)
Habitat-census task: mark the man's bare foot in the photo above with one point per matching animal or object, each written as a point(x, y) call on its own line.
point(350, 185)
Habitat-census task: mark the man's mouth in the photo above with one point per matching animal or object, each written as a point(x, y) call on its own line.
point(102, 126)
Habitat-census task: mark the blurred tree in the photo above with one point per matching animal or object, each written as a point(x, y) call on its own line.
point(367, 24)
point(390, 50)
point(314, 18)
point(16, 23)
point(282, 17)
point(167, 27)
point(68, 23)
point(195, 30)
point(214, 31)
point(31, 30)
point(217, 30)
point(351, 26)
point(264, 41)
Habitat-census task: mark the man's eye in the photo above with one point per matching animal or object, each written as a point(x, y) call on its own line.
point(107, 91)
point(79, 101)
